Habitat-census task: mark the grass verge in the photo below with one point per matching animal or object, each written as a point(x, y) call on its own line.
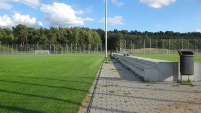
point(185, 82)
point(169, 57)
point(46, 83)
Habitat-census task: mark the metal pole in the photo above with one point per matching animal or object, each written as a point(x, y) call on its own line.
point(150, 47)
point(106, 28)
point(195, 46)
point(188, 43)
point(144, 46)
point(182, 44)
point(169, 47)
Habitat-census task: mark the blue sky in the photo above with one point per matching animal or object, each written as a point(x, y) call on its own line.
point(141, 15)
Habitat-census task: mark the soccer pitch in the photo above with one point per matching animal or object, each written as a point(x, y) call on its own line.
point(170, 57)
point(46, 83)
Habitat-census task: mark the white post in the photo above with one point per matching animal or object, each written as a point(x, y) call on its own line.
point(144, 46)
point(106, 28)
point(169, 47)
point(150, 46)
point(182, 44)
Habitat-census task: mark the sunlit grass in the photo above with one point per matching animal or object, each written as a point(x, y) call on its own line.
point(46, 83)
point(169, 57)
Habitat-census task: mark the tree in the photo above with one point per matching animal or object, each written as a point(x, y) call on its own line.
point(2, 36)
point(20, 33)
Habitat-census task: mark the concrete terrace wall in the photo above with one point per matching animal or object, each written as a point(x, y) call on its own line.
point(157, 70)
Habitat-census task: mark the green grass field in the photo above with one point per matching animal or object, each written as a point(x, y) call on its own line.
point(46, 83)
point(170, 57)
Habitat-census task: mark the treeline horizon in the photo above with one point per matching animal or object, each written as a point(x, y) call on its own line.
point(22, 34)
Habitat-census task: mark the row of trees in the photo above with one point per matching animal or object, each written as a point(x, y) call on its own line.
point(22, 34)
point(116, 38)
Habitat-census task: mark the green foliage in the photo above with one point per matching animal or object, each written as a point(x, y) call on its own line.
point(5, 48)
point(146, 81)
point(46, 83)
point(185, 82)
point(21, 34)
point(149, 81)
point(77, 35)
point(108, 59)
point(135, 39)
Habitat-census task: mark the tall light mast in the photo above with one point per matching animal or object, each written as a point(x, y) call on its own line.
point(105, 28)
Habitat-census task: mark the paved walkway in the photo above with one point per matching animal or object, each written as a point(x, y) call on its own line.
point(118, 90)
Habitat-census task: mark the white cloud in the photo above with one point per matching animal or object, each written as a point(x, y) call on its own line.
point(157, 3)
point(32, 3)
point(79, 12)
point(6, 21)
point(115, 2)
point(198, 30)
point(117, 20)
point(89, 19)
point(60, 14)
point(25, 19)
point(4, 4)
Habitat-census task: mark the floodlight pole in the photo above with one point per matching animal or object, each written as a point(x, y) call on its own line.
point(106, 28)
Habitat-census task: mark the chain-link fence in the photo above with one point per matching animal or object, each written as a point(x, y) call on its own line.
point(135, 46)
point(159, 46)
point(52, 48)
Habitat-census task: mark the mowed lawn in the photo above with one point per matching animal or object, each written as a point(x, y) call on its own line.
point(46, 83)
point(170, 57)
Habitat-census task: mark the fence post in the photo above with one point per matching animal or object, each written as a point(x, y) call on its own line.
point(12, 48)
point(156, 46)
point(16, 48)
point(71, 48)
point(67, 48)
point(150, 46)
point(101, 48)
point(182, 43)
point(4, 48)
point(125, 44)
point(76, 47)
point(169, 47)
point(195, 46)
point(144, 46)
point(120, 45)
point(97, 48)
point(50, 47)
point(84, 48)
point(163, 44)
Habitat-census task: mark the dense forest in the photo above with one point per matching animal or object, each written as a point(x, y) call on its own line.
point(21, 34)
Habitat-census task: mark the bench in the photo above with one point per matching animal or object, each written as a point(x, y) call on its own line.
point(150, 69)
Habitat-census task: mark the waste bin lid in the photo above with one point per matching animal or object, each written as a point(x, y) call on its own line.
point(185, 52)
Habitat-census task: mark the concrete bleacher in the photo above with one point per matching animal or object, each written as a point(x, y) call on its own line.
point(157, 70)
point(150, 69)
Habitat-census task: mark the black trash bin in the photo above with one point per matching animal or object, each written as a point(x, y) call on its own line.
point(186, 62)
